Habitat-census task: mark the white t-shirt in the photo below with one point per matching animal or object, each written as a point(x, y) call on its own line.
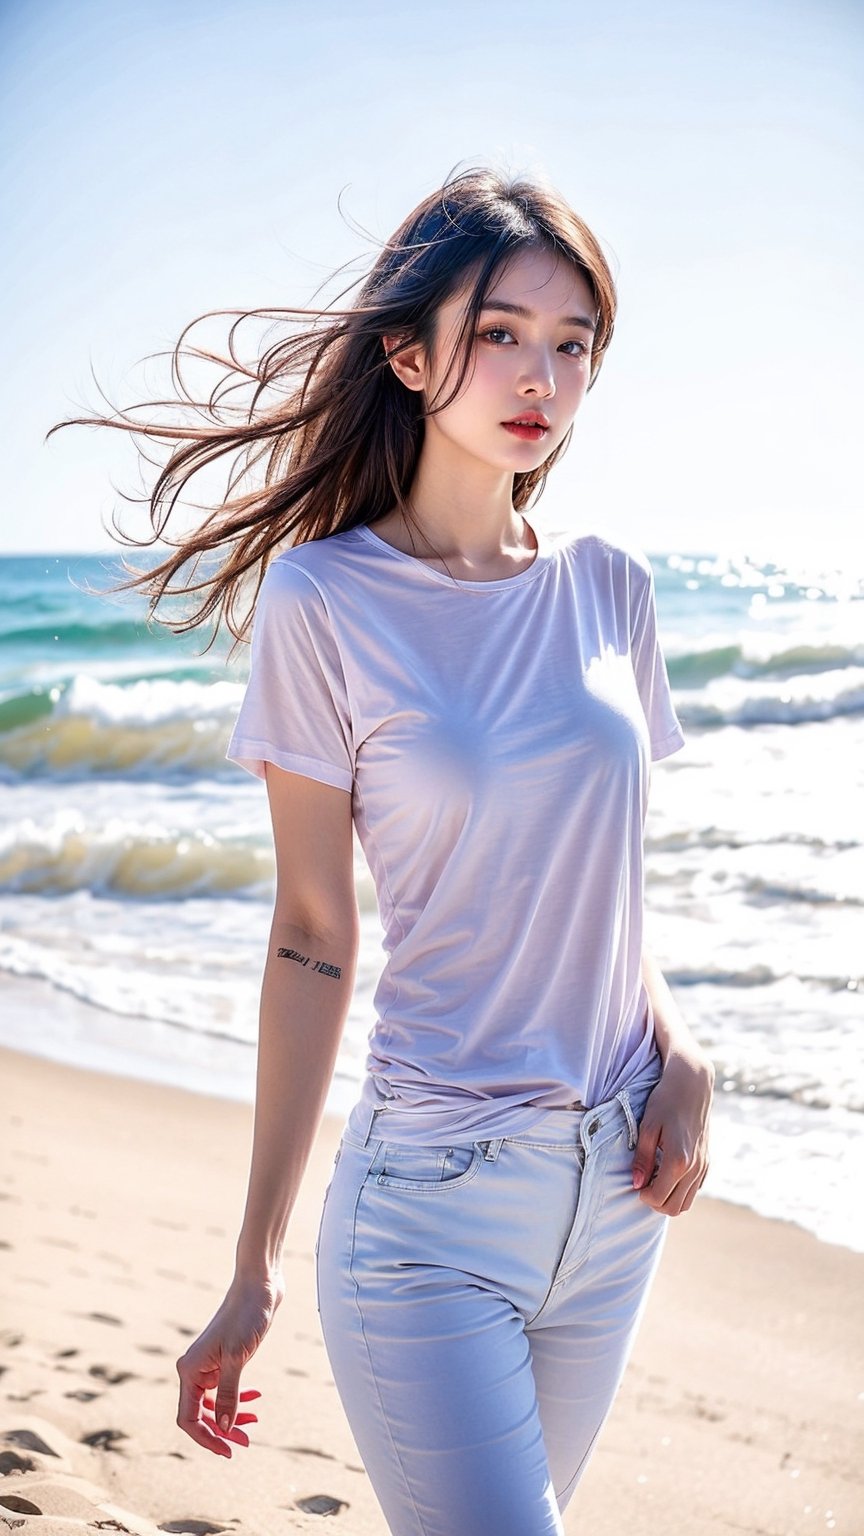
point(496, 737)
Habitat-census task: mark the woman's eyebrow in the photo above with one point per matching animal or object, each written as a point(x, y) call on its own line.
point(528, 314)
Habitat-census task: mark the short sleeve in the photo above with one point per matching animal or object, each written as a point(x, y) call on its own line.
point(652, 679)
point(295, 711)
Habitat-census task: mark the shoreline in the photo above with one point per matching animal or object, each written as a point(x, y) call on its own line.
point(75, 1032)
point(121, 1200)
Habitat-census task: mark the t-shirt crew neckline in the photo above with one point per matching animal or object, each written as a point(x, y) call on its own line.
point(544, 555)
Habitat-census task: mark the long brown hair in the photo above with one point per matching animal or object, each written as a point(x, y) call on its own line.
point(340, 434)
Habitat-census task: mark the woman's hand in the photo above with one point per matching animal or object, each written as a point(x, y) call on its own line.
point(676, 1122)
point(213, 1363)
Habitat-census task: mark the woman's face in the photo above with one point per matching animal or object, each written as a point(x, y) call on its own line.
point(535, 360)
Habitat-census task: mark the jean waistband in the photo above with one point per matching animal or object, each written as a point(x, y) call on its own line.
point(562, 1127)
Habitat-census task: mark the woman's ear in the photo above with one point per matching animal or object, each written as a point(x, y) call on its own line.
point(409, 365)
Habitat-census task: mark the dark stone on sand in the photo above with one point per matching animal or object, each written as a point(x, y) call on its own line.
point(104, 1317)
point(81, 1395)
point(320, 1504)
point(28, 1441)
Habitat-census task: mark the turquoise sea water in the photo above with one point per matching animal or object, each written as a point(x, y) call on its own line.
point(136, 871)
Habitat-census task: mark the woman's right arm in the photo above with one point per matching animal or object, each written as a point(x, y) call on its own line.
point(305, 995)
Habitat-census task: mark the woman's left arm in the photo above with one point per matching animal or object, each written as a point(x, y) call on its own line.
point(677, 1110)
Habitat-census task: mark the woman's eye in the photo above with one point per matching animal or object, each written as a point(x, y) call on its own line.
point(497, 331)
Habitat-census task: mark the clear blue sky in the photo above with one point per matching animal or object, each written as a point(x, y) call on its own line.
point(160, 160)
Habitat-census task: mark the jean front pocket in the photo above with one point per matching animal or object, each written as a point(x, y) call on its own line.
point(425, 1170)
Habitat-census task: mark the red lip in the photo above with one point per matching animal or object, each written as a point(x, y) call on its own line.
point(528, 418)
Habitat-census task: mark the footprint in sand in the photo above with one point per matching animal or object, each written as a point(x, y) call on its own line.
point(113, 1258)
point(19, 1506)
point(110, 1376)
point(28, 1440)
point(104, 1439)
point(193, 1526)
point(101, 1317)
point(10, 1461)
point(66, 1354)
point(151, 1349)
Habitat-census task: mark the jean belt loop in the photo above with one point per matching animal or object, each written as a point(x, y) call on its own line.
point(623, 1098)
point(370, 1127)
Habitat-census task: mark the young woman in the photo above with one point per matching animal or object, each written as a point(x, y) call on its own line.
point(483, 705)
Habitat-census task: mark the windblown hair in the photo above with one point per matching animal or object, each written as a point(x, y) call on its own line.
point(340, 434)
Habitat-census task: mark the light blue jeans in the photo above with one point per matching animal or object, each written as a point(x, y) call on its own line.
point(478, 1304)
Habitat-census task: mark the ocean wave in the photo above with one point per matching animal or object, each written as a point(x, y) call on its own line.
point(808, 893)
point(182, 1004)
point(680, 839)
point(128, 859)
point(793, 701)
point(177, 725)
point(76, 635)
point(142, 728)
point(793, 1084)
point(757, 975)
point(773, 657)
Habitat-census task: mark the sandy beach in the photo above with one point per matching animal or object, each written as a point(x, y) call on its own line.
point(120, 1201)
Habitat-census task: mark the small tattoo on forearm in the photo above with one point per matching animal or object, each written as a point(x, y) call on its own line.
point(323, 968)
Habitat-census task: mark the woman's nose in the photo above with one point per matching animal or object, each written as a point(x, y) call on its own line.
point(539, 374)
